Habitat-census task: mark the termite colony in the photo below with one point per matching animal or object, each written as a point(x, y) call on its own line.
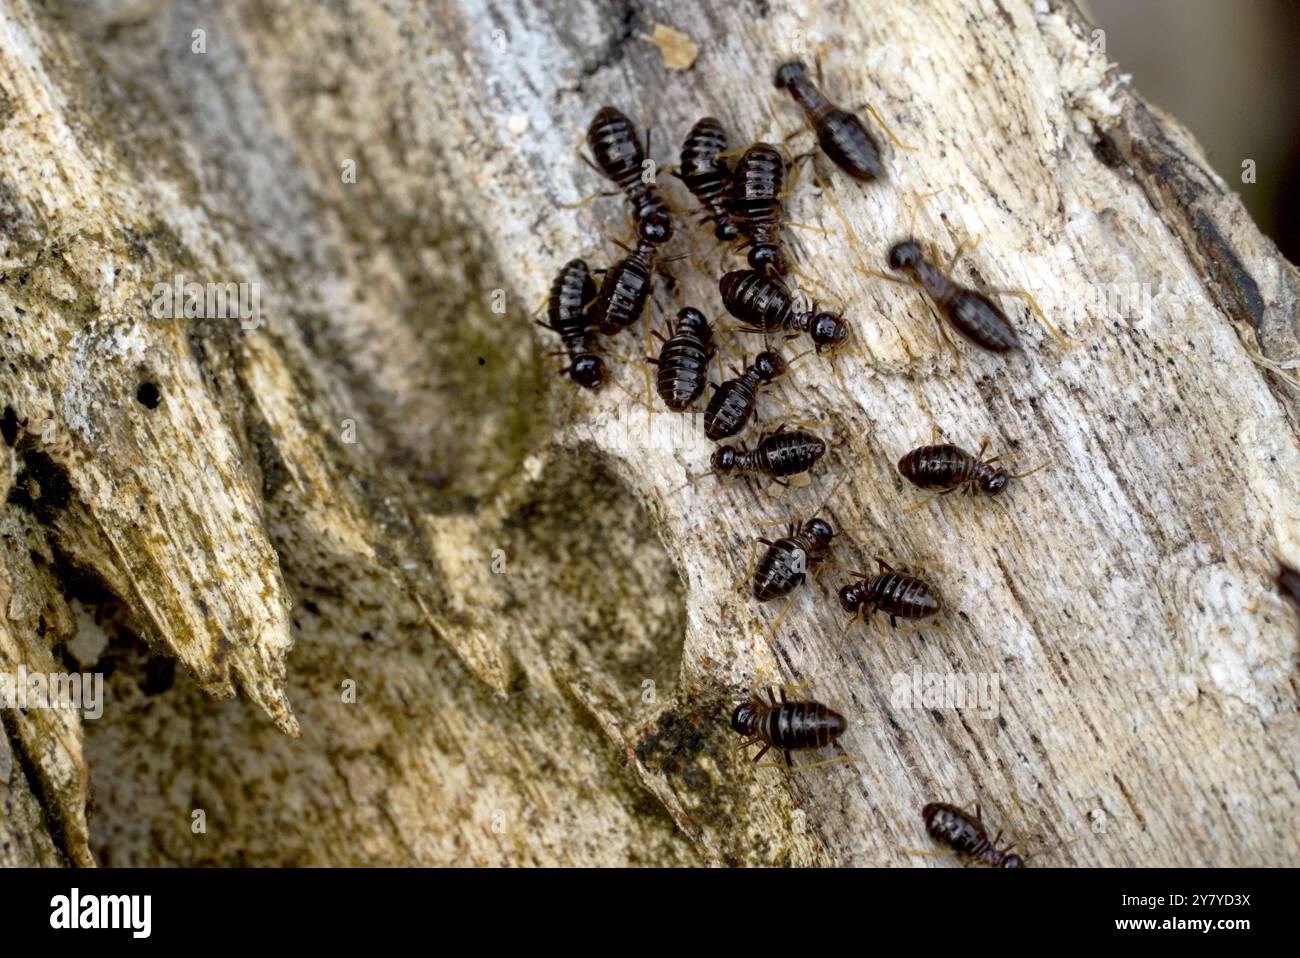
point(741, 192)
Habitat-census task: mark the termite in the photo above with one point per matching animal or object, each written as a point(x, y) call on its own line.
point(778, 455)
point(975, 316)
point(684, 360)
point(899, 595)
point(787, 561)
point(572, 292)
point(619, 156)
point(705, 172)
point(971, 313)
point(627, 284)
point(765, 305)
point(755, 203)
point(732, 403)
point(949, 468)
point(842, 136)
point(955, 828)
point(786, 725)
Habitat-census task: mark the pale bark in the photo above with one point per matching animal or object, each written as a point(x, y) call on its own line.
point(502, 714)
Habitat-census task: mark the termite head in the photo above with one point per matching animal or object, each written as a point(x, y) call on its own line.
point(992, 479)
point(745, 718)
point(768, 365)
point(656, 227)
point(588, 370)
point(725, 230)
point(790, 74)
point(694, 321)
point(1011, 860)
point(724, 459)
point(818, 534)
point(853, 597)
point(828, 331)
point(766, 257)
point(906, 255)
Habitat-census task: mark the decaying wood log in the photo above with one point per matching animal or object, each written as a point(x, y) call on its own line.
point(474, 617)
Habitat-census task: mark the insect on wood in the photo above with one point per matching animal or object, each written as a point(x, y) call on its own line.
point(841, 134)
point(613, 142)
point(732, 403)
point(705, 172)
point(899, 595)
point(765, 304)
point(778, 455)
point(786, 725)
point(965, 835)
point(683, 361)
point(572, 294)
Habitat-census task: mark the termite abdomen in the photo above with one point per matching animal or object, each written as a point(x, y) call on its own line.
point(619, 156)
point(572, 293)
point(842, 136)
point(733, 402)
point(684, 360)
point(785, 725)
point(788, 560)
point(706, 175)
point(953, 827)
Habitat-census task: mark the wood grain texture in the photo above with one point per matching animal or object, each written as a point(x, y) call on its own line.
point(502, 565)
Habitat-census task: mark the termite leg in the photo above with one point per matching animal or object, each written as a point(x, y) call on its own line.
point(826, 761)
point(789, 602)
point(1038, 312)
point(885, 126)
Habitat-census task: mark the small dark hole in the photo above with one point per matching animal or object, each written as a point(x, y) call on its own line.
point(159, 674)
point(482, 361)
point(147, 395)
point(9, 425)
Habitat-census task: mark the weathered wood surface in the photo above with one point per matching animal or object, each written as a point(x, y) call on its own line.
point(1147, 710)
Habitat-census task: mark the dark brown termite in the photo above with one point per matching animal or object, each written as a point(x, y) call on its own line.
point(765, 305)
point(732, 403)
point(756, 204)
point(976, 317)
point(619, 156)
point(841, 134)
point(786, 725)
point(954, 827)
point(704, 170)
point(898, 595)
point(971, 313)
point(778, 455)
point(949, 468)
point(572, 294)
point(627, 284)
point(684, 360)
point(787, 561)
